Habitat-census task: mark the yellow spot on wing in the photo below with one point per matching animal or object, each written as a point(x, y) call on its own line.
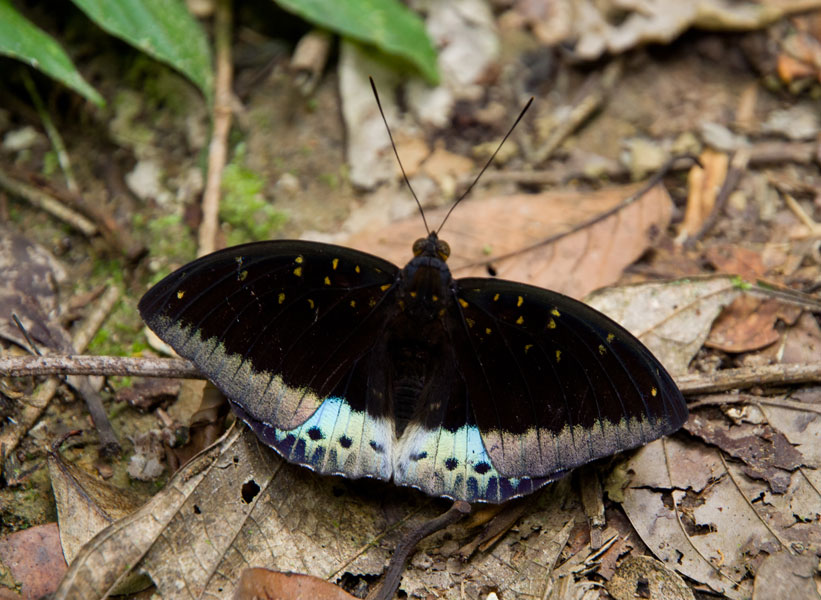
point(180, 294)
point(413, 294)
point(281, 297)
point(463, 303)
point(558, 355)
point(496, 297)
point(654, 392)
point(488, 330)
point(385, 287)
point(610, 337)
point(602, 349)
point(520, 301)
point(371, 302)
point(334, 263)
point(327, 281)
point(310, 303)
point(242, 275)
point(298, 260)
point(353, 303)
point(298, 271)
point(555, 312)
point(435, 298)
point(528, 347)
point(470, 322)
point(551, 324)
point(356, 268)
point(520, 320)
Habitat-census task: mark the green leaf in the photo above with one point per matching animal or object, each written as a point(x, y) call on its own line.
point(163, 29)
point(21, 39)
point(387, 24)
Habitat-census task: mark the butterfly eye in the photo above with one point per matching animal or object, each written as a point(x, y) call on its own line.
point(419, 246)
point(442, 249)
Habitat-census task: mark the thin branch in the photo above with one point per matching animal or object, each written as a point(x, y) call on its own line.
point(690, 384)
point(217, 150)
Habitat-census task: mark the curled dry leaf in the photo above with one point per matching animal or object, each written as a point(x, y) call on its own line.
point(234, 506)
point(538, 238)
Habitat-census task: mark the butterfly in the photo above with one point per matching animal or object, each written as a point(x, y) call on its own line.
point(475, 389)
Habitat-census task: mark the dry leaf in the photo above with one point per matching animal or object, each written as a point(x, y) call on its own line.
point(238, 504)
point(703, 185)
point(509, 233)
point(736, 260)
point(701, 515)
point(31, 561)
point(644, 573)
point(264, 584)
point(745, 325)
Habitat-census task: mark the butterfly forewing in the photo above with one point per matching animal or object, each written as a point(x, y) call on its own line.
point(555, 383)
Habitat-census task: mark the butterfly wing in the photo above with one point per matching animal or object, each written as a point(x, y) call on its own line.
point(541, 383)
point(290, 332)
point(557, 384)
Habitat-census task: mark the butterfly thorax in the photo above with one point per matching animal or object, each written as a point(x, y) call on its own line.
point(417, 336)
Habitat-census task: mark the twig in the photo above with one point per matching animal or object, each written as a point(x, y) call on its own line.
point(690, 384)
point(808, 221)
point(20, 366)
point(46, 202)
point(52, 132)
point(217, 150)
point(400, 556)
point(734, 379)
point(568, 123)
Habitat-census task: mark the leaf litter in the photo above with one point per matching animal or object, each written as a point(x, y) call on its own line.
point(741, 509)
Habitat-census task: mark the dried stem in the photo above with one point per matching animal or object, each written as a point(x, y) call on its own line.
point(217, 150)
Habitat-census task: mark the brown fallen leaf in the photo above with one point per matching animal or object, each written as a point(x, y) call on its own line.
point(263, 584)
point(703, 182)
point(745, 325)
point(736, 260)
point(31, 561)
point(531, 237)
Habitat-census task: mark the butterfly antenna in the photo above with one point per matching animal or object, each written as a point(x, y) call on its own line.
point(396, 153)
point(487, 164)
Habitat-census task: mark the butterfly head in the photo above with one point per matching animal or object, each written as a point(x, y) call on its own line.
point(432, 246)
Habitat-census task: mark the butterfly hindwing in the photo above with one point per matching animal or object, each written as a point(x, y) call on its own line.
point(287, 331)
point(555, 384)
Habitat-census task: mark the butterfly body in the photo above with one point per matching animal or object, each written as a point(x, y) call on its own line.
point(475, 389)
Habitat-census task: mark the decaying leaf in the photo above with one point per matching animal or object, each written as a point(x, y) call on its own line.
point(704, 517)
point(521, 237)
